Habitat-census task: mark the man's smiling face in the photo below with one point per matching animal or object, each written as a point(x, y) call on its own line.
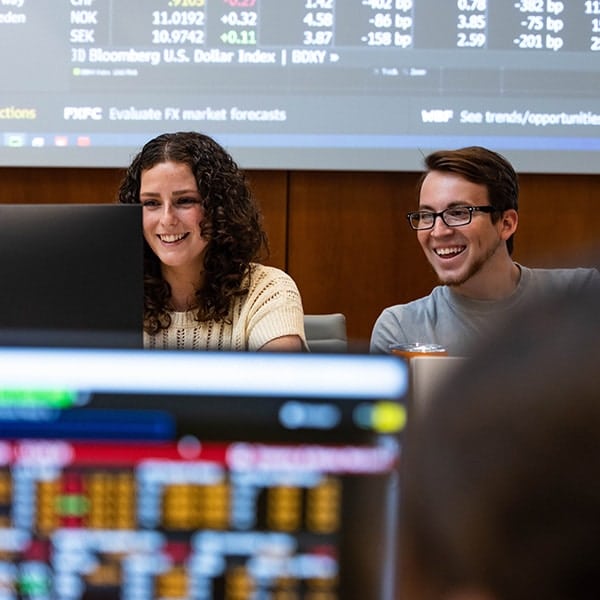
point(457, 253)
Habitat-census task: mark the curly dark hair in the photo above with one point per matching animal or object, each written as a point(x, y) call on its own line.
point(232, 225)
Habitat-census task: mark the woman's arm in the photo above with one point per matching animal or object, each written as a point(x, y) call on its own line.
point(285, 343)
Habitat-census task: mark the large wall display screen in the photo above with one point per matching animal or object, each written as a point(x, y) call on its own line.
point(302, 84)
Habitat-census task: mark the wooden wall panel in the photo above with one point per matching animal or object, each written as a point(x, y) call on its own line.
point(271, 190)
point(559, 220)
point(350, 248)
point(49, 185)
point(344, 237)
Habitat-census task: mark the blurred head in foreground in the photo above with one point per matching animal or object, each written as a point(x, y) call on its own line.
point(501, 475)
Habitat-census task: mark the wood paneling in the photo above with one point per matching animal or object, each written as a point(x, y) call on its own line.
point(48, 186)
point(350, 249)
point(270, 189)
point(559, 220)
point(343, 236)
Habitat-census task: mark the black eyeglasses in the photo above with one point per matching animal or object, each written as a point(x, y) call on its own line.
point(455, 216)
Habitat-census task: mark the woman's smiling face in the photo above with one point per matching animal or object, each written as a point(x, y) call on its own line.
point(172, 215)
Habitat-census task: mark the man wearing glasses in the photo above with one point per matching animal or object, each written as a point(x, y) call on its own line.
point(467, 218)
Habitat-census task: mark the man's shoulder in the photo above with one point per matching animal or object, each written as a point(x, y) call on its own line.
point(420, 305)
point(579, 277)
point(415, 320)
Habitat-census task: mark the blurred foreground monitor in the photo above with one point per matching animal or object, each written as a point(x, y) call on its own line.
point(72, 275)
point(139, 475)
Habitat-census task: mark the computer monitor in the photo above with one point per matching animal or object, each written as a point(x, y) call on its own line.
point(139, 474)
point(72, 275)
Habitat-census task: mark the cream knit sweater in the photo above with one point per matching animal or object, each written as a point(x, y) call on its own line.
point(272, 308)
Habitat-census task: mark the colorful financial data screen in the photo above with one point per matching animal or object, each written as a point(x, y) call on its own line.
point(139, 474)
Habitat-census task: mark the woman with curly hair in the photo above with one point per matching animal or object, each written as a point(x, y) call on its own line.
point(203, 233)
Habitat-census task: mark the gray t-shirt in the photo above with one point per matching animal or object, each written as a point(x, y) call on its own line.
point(457, 322)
